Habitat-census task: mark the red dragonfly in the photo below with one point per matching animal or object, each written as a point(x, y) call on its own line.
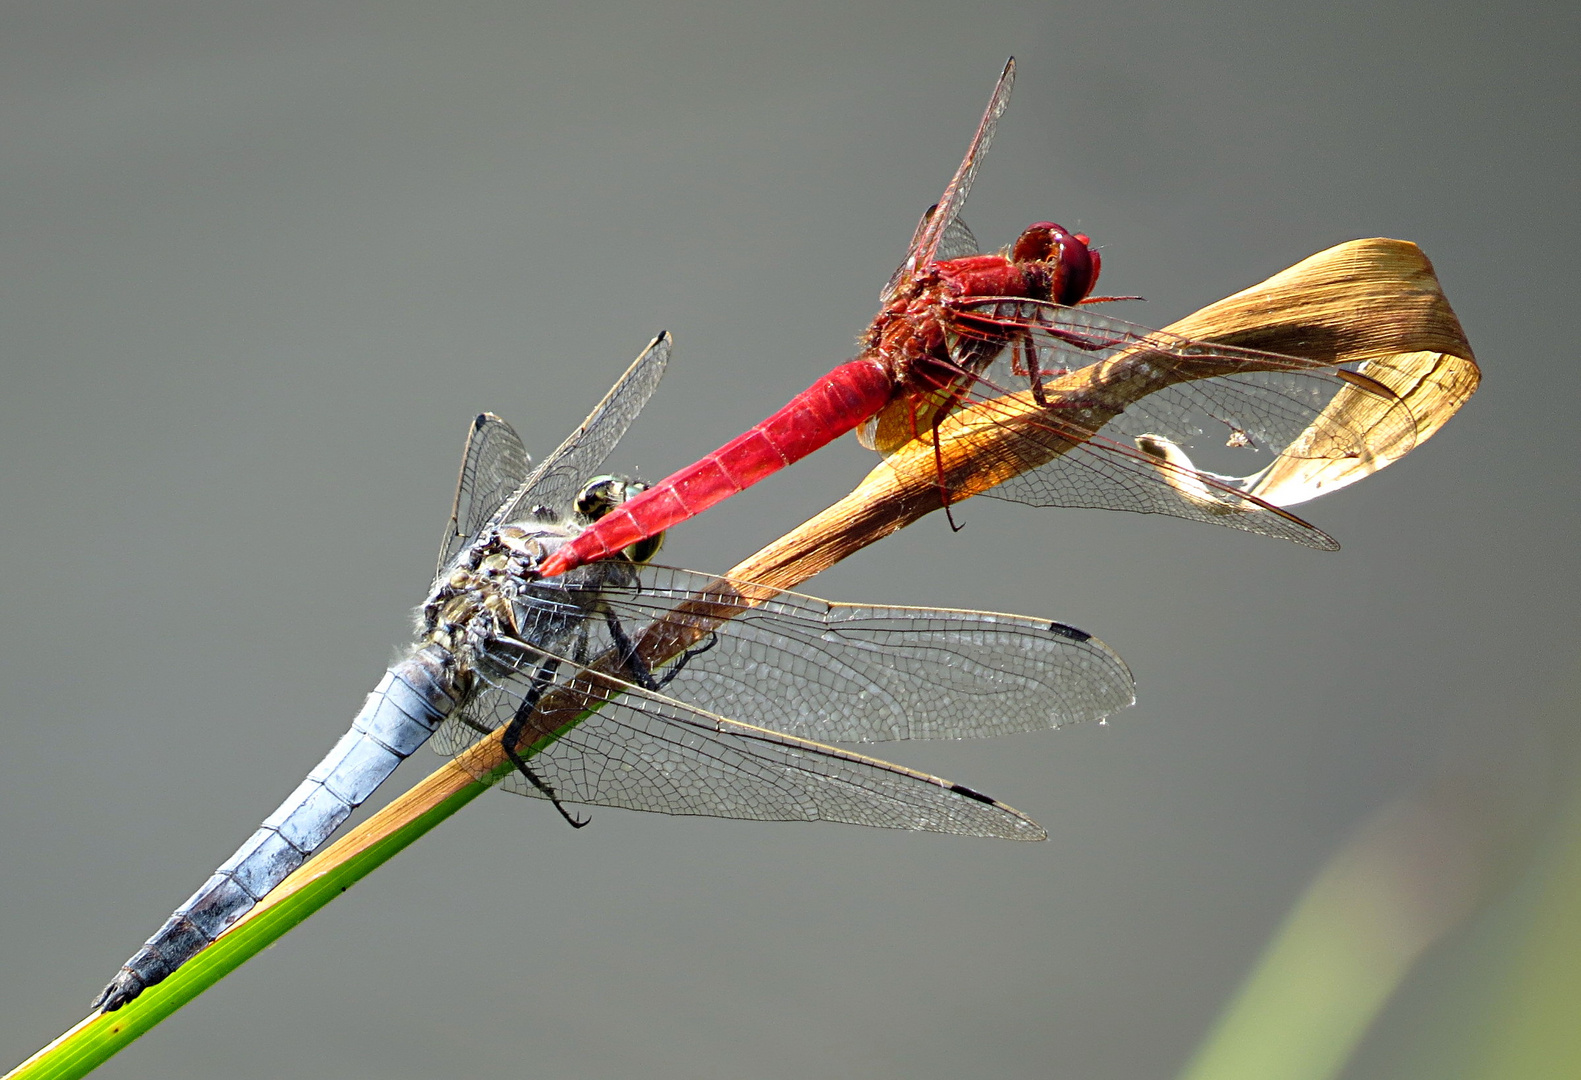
point(960, 329)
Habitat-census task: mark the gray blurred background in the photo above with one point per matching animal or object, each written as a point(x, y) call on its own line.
point(263, 263)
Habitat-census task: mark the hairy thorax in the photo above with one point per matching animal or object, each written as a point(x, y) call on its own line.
point(492, 595)
point(914, 333)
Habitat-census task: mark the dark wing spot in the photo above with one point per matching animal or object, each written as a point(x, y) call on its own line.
point(962, 789)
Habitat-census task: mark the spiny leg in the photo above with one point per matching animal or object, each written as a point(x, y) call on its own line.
point(962, 365)
point(518, 725)
point(685, 658)
point(1034, 368)
point(938, 472)
point(631, 657)
point(938, 463)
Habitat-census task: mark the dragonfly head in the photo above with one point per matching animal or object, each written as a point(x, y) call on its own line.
point(601, 495)
point(1072, 264)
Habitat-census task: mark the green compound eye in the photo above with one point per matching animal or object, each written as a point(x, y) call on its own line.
point(601, 495)
point(643, 551)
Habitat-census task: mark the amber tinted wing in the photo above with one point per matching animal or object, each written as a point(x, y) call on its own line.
point(1141, 420)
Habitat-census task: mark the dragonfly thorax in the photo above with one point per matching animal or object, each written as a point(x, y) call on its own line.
point(1047, 262)
point(492, 594)
point(911, 335)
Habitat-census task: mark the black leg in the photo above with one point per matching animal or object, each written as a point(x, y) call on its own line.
point(474, 723)
point(518, 724)
point(685, 658)
point(631, 659)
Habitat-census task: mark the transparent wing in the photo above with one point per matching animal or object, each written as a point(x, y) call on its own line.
point(493, 467)
point(957, 242)
point(644, 751)
point(861, 673)
point(937, 223)
point(553, 486)
point(925, 245)
point(1141, 420)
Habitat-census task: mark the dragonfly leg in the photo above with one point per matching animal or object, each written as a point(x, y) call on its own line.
point(473, 722)
point(948, 387)
point(641, 671)
point(685, 658)
point(630, 657)
point(938, 472)
point(518, 725)
point(1023, 348)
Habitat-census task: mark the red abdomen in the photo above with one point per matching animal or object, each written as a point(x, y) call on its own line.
point(832, 406)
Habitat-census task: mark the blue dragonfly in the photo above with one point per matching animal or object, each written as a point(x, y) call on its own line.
point(611, 685)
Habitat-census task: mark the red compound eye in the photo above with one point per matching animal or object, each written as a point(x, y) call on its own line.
point(1075, 263)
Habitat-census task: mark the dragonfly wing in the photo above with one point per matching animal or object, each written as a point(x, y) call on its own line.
point(552, 487)
point(493, 467)
point(1103, 474)
point(957, 242)
point(925, 247)
point(1146, 421)
point(645, 751)
point(937, 223)
point(1258, 400)
point(861, 673)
